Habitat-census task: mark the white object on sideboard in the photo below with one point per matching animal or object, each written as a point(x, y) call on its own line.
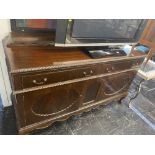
point(148, 72)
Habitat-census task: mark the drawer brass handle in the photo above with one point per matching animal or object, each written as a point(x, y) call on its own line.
point(41, 82)
point(84, 73)
point(108, 70)
point(91, 72)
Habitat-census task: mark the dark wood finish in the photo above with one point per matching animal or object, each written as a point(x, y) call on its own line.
point(52, 84)
point(57, 76)
point(43, 124)
point(47, 103)
point(35, 57)
point(115, 84)
point(28, 80)
point(30, 57)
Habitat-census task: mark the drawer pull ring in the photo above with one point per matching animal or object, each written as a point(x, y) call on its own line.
point(108, 70)
point(40, 83)
point(91, 72)
point(84, 73)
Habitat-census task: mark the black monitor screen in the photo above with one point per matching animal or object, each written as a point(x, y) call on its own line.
point(105, 28)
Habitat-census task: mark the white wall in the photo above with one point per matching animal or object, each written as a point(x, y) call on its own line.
point(5, 89)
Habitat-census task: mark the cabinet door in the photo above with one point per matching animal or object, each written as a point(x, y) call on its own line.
point(115, 84)
point(91, 89)
point(47, 103)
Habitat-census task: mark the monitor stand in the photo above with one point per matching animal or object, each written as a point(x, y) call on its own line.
point(100, 52)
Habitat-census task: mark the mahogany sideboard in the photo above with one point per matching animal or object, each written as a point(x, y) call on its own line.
point(51, 84)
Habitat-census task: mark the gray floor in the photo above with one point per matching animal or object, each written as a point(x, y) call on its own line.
point(113, 119)
point(144, 104)
point(105, 120)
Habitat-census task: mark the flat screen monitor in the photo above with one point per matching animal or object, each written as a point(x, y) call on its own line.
point(98, 32)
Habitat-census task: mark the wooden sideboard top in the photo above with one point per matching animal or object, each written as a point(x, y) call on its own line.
point(27, 58)
point(20, 58)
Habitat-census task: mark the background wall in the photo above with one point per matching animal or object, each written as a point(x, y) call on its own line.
point(5, 89)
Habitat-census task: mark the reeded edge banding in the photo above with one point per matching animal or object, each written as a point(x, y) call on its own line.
point(72, 64)
point(69, 81)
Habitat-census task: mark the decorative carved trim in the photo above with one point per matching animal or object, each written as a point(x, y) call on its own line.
point(45, 115)
point(68, 82)
point(78, 63)
point(116, 91)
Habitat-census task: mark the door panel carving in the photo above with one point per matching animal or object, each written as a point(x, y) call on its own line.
point(51, 106)
point(51, 102)
point(113, 85)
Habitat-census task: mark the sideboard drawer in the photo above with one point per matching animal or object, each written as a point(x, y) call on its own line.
point(117, 66)
point(38, 79)
point(28, 80)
